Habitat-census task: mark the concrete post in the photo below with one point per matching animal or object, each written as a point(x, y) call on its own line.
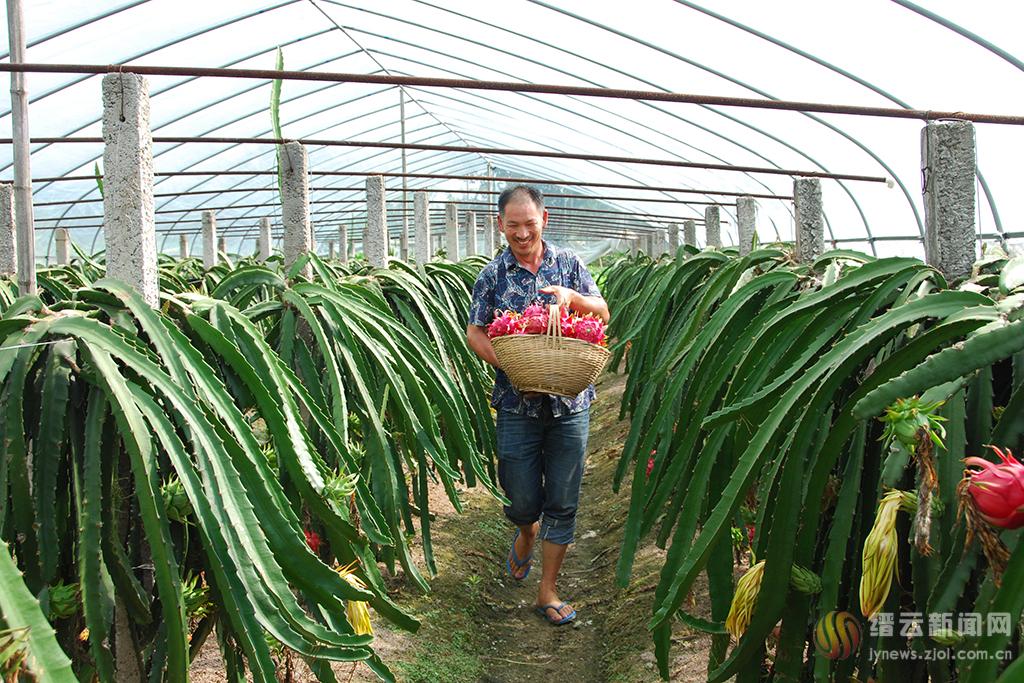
point(712, 227)
point(471, 233)
point(343, 242)
point(488, 237)
point(295, 203)
point(746, 220)
point(949, 162)
point(810, 226)
point(403, 238)
point(690, 233)
point(492, 225)
point(673, 237)
point(8, 233)
point(451, 227)
point(63, 250)
point(663, 244)
point(222, 245)
point(375, 236)
point(182, 246)
point(209, 239)
point(266, 240)
point(129, 227)
point(330, 249)
point(421, 222)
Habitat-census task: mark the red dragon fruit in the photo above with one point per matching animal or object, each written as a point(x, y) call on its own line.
point(568, 326)
point(590, 329)
point(313, 541)
point(535, 320)
point(505, 322)
point(998, 489)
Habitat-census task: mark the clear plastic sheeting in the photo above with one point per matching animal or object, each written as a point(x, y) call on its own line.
point(867, 53)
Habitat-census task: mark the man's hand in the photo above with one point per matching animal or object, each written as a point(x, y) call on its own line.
point(577, 302)
point(563, 295)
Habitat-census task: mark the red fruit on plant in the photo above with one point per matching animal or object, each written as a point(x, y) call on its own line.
point(650, 465)
point(750, 534)
point(998, 489)
point(313, 541)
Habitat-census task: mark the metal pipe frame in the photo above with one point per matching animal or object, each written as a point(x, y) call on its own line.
point(870, 239)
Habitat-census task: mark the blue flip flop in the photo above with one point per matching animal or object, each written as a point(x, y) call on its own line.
point(519, 564)
point(543, 611)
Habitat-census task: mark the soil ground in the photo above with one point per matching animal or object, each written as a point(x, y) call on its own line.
point(479, 625)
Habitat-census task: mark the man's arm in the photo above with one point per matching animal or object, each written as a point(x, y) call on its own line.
point(578, 302)
point(479, 342)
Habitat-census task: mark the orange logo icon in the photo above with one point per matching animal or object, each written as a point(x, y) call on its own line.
point(837, 635)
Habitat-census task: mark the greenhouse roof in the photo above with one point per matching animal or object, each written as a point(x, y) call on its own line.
point(895, 55)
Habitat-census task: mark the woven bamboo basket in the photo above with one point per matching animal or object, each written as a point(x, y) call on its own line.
point(550, 363)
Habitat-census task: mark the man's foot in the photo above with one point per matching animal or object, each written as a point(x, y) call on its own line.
point(522, 547)
point(557, 613)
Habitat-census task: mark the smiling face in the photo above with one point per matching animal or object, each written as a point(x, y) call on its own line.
point(522, 223)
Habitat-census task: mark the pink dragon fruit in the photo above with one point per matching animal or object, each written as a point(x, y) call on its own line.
point(590, 329)
point(535, 319)
point(568, 325)
point(505, 322)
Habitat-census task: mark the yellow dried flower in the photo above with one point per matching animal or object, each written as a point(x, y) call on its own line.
point(357, 612)
point(744, 600)
point(879, 558)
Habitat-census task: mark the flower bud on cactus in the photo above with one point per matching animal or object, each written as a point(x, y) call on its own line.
point(804, 580)
point(905, 417)
point(63, 600)
point(196, 596)
point(179, 507)
point(340, 486)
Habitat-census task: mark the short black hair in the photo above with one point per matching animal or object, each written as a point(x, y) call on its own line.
point(510, 193)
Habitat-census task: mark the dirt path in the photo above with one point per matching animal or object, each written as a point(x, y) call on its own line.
point(479, 625)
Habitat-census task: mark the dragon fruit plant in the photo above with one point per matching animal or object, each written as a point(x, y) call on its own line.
point(535, 319)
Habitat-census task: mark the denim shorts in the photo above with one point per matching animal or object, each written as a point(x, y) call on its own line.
point(540, 468)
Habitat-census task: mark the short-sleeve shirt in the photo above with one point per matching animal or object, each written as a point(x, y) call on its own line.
point(504, 285)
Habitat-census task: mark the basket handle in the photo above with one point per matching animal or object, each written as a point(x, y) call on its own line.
point(554, 332)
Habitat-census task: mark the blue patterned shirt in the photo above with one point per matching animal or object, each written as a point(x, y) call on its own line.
point(504, 285)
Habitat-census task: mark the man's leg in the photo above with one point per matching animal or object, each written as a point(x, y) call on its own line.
point(520, 439)
point(565, 447)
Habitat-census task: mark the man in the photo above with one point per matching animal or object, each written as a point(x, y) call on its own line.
point(542, 439)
